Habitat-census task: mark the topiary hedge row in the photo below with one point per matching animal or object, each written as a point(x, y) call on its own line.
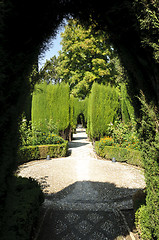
point(103, 106)
point(130, 156)
point(40, 152)
point(22, 209)
point(51, 102)
point(52, 105)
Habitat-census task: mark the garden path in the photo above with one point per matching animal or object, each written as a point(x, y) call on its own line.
point(85, 197)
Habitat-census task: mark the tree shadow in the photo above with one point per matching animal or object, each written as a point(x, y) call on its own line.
point(88, 210)
point(103, 192)
point(80, 131)
point(76, 144)
point(79, 138)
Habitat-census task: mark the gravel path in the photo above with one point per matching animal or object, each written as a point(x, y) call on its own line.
point(85, 196)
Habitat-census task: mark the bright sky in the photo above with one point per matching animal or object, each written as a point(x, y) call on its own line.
point(53, 50)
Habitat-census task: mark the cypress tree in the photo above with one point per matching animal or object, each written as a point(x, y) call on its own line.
point(103, 105)
point(39, 105)
point(51, 102)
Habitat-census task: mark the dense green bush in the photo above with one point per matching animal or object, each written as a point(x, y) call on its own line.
point(124, 135)
point(22, 209)
point(103, 105)
point(31, 135)
point(143, 223)
point(130, 156)
point(29, 153)
point(106, 141)
point(148, 215)
point(126, 108)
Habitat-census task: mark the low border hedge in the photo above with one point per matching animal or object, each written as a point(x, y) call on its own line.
point(130, 156)
point(41, 151)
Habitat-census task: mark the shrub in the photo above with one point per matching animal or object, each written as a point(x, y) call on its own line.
point(28, 153)
point(106, 141)
point(40, 152)
point(143, 223)
point(130, 156)
point(59, 150)
point(124, 135)
point(25, 131)
point(127, 110)
point(42, 138)
point(22, 209)
point(36, 135)
point(148, 215)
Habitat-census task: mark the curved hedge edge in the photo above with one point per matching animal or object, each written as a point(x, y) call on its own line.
point(130, 156)
point(29, 153)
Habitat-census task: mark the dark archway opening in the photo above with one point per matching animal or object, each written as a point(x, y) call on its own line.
point(81, 120)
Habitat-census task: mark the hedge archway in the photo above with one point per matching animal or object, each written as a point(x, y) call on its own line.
point(25, 29)
point(81, 120)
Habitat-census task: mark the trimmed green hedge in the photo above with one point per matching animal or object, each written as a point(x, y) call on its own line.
point(103, 107)
point(51, 102)
point(22, 209)
point(130, 156)
point(40, 152)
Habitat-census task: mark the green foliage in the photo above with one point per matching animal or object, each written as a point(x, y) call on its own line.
point(46, 138)
point(124, 135)
point(147, 15)
point(72, 112)
point(38, 135)
point(22, 209)
point(130, 156)
point(127, 110)
point(29, 153)
point(51, 103)
point(103, 105)
point(148, 216)
point(25, 131)
point(48, 72)
point(86, 57)
point(143, 223)
point(59, 150)
point(106, 141)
